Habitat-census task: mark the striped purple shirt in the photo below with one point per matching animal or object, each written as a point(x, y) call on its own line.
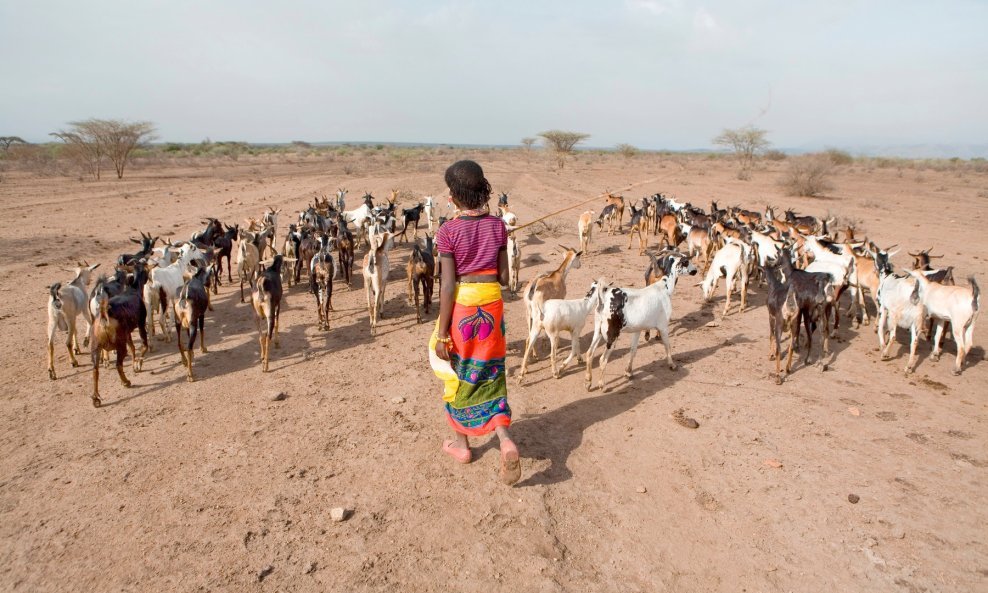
point(473, 242)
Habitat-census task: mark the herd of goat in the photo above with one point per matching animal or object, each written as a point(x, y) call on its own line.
point(805, 268)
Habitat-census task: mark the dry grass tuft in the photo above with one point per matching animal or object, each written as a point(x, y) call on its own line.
point(808, 175)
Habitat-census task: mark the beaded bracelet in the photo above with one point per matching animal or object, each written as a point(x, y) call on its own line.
point(443, 340)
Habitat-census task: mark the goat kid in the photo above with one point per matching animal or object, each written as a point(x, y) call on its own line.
point(322, 269)
point(558, 316)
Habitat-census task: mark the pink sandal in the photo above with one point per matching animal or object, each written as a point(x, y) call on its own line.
point(460, 455)
point(510, 463)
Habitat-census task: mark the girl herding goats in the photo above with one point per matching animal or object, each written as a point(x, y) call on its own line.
point(468, 347)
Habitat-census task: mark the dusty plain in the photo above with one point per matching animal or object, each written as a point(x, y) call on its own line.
point(214, 486)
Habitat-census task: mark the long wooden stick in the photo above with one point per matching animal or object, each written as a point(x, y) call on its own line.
point(588, 200)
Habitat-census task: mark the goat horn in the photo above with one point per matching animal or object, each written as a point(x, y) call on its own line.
point(936, 257)
point(891, 247)
point(913, 254)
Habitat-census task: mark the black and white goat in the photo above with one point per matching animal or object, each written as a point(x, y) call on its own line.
point(322, 269)
point(899, 305)
point(634, 310)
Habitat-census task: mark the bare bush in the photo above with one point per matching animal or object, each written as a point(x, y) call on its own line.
point(807, 175)
point(775, 155)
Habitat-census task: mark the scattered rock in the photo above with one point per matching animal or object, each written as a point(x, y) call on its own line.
point(773, 463)
point(641, 490)
point(683, 420)
point(279, 397)
point(853, 498)
point(397, 399)
point(338, 514)
point(311, 568)
point(265, 572)
point(854, 411)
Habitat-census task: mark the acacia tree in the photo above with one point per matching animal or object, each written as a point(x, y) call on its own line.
point(6, 141)
point(747, 143)
point(562, 143)
point(527, 143)
point(93, 139)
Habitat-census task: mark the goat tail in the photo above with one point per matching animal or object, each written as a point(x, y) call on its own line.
point(162, 300)
point(975, 294)
point(53, 290)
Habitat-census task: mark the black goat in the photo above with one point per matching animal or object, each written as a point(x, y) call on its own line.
point(411, 215)
point(224, 248)
point(190, 313)
point(266, 295)
point(800, 297)
point(345, 246)
point(147, 245)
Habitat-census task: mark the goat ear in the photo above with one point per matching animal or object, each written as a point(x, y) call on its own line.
point(891, 253)
point(133, 240)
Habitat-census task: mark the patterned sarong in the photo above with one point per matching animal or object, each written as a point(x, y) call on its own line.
point(475, 390)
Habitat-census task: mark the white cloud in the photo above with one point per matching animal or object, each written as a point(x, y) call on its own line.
point(654, 7)
point(704, 22)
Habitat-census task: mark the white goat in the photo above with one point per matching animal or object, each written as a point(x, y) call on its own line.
point(430, 212)
point(164, 284)
point(959, 305)
point(584, 227)
point(65, 303)
point(633, 310)
point(377, 266)
point(247, 260)
point(514, 261)
point(558, 316)
point(730, 262)
point(899, 305)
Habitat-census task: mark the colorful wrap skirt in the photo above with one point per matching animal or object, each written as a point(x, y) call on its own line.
point(475, 390)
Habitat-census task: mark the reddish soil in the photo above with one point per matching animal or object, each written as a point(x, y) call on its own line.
point(212, 485)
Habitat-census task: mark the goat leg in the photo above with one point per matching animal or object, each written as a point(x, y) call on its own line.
point(121, 355)
point(628, 372)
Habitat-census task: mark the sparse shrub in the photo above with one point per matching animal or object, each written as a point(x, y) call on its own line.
point(807, 175)
point(348, 170)
point(839, 157)
point(747, 143)
point(562, 143)
point(775, 155)
point(626, 150)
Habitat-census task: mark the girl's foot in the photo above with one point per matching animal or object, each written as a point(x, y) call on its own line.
point(510, 463)
point(460, 454)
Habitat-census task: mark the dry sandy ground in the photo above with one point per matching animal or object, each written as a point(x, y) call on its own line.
point(174, 486)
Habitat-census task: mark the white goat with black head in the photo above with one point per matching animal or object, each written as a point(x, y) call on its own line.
point(899, 305)
point(634, 310)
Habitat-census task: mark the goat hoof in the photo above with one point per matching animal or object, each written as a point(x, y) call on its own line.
point(190, 379)
point(629, 375)
point(673, 367)
point(824, 367)
point(203, 350)
point(886, 357)
point(778, 379)
point(51, 374)
point(97, 402)
point(74, 364)
point(127, 384)
point(956, 372)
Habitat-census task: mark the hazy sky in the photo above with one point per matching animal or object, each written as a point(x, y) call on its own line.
point(653, 73)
